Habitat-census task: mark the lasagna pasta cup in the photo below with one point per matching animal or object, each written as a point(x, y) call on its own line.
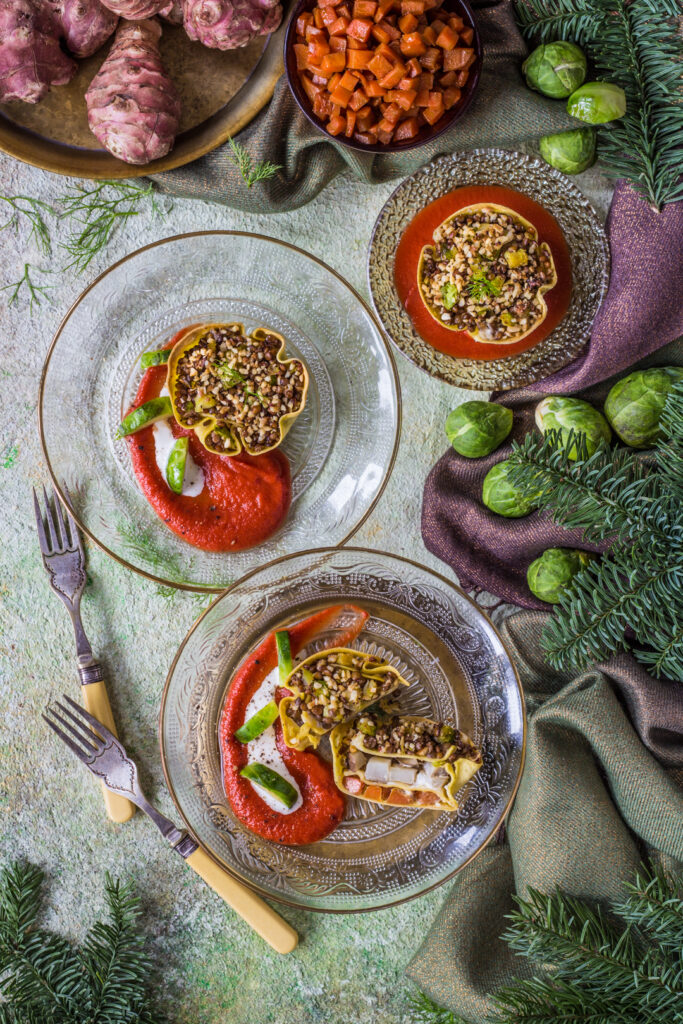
point(329, 688)
point(486, 274)
point(406, 761)
point(236, 391)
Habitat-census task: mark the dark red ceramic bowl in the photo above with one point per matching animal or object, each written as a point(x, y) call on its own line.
point(427, 133)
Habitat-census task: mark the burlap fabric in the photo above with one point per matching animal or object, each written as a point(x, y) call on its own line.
point(643, 311)
point(504, 113)
point(600, 792)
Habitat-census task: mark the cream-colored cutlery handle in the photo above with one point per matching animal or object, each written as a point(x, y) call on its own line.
point(262, 918)
point(96, 702)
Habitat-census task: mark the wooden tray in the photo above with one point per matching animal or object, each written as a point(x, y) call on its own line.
point(221, 92)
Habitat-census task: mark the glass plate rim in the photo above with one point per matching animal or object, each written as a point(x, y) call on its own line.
point(57, 484)
point(266, 893)
point(454, 361)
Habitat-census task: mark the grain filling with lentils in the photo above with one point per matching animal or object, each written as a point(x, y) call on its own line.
point(331, 692)
point(239, 380)
point(486, 273)
point(393, 735)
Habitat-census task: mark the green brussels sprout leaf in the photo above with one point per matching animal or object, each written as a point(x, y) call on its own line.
point(478, 428)
point(597, 102)
point(562, 415)
point(555, 69)
point(635, 404)
point(570, 152)
point(550, 574)
point(501, 496)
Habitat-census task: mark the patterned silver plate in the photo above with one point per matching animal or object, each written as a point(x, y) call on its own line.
point(341, 449)
point(459, 670)
point(582, 229)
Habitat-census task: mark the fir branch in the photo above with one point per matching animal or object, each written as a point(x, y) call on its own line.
point(636, 44)
point(654, 904)
point(539, 1001)
point(98, 211)
point(251, 172)
point(45, 980)
point(37, 292)
point(425, 1011)
point(35, 211)
point(670, 444)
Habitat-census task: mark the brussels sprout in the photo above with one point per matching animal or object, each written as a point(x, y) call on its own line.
point(477, 428)
point(565, 414)
point(597, 102)
point(555, 69)
point(552, 573)
point(571, 152)
point(501, 496)
point(635, 403)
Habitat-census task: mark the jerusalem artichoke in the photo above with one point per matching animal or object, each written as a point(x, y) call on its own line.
point(30, 56)
point(133, 106)
point(228, 24)
point(173, 12)
point(135, 10)
point(85, 24)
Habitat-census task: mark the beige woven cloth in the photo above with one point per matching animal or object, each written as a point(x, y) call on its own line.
point(602, 788)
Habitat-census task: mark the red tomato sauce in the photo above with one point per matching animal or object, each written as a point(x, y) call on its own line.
point(419, 233)
point(245, 498)
point(322, 805)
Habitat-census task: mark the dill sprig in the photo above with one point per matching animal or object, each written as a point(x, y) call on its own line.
point(251, 171)
point(34, 210)
point(636, 44)
point(480, 286)
point(36, 292)
point(98, 210)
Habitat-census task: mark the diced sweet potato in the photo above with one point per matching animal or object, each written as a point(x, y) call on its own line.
point(316, 51)
point(365, 138)
point(400, 797)
point(384, 136)
point(407, 129)
point(391, 80)
point(455, 60)
point(374, 89)
point(302, 23)
point(364, 8)
point(448, 78)
point(358, 99)
point(301, 53)
point(350, 123)
point(447, 38)
point(428, 35)
point(456, 23)
point(339, 27)
point(373, 792)
point(433, 114)
point(328, 15)
point(360, 29)
point(412, 45)
point(379, 66)
point(336, 124)
point(461, 78)
point(433, 59)
point(407, 23)
point(358, 59)
point(337, 44)
point(333, 62)
point(318, 18)
point(341, 96)
point(451, 95)
point(416, 7)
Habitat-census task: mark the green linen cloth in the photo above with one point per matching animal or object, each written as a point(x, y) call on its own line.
point(504, 114)
point(602, 789)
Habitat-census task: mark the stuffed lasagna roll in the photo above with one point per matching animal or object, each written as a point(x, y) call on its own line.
point(403, 760)
point(331, 687)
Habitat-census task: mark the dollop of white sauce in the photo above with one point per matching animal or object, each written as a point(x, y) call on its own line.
point(193, 481)
point(263, 749)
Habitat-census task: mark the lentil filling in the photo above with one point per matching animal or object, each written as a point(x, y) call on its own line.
point(335, 686)
point(393, 735)
point(242, 385)
point(486, 274)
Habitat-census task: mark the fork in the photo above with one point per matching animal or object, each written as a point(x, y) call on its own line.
point(64, 562)
point(104, 755)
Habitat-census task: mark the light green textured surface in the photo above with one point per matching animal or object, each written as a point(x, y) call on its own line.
point(347, 969)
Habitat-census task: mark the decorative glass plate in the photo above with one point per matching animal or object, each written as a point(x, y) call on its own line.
point(341, 449)
point(583, 232)
point(439, 640)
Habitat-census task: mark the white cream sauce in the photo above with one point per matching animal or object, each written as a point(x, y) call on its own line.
point(193, 481)
point(263, 749)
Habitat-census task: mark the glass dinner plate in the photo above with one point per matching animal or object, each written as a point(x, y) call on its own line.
point(583, 233)
point(341, 449)
point(459, 670)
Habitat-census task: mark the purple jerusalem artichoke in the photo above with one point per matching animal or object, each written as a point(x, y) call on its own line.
point(133, 106)
point(30, 56)
point(85, 24)
point(172, 12)
point(135, 10)
point(228, 24)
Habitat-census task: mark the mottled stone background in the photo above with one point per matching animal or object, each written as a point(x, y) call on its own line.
point(347, 969)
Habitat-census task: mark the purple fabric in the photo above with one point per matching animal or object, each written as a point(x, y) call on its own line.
point(642, 312)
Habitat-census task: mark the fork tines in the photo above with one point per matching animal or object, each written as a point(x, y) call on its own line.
point(89, 739)
point(56, 532)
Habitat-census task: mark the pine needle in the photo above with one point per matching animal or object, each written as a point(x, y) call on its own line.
point(251, 171)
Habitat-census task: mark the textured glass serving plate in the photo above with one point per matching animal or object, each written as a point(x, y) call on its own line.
point(459, 670)
point(583, 232)
point(341, 449)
